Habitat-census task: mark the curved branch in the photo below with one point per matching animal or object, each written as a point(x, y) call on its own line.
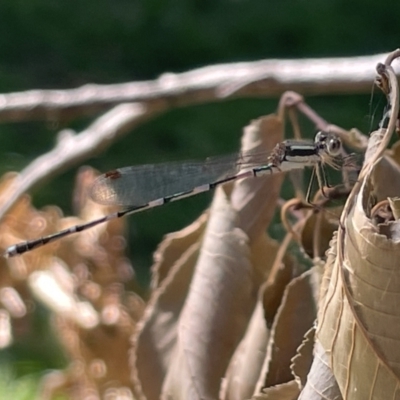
point(265, 78)
point(73, 148)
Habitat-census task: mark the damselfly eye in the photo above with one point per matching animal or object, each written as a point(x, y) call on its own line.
point(334, 146)
point(320, 138)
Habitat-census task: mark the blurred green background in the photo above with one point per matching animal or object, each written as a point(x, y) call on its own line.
point(54, 44)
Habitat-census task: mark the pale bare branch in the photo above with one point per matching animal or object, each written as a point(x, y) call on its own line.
point(265, 78)
point(72, 149)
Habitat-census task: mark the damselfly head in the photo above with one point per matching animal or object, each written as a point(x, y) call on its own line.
point(331, 144)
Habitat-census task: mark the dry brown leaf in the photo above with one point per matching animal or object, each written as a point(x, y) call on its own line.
point(321, 383)
point(244, 368)
point(223, 289)
point(255, 199)
point(362, 311)
point(386, 176)
point(263, 255)
point(284, 269)
point(359, 317)
point(317, 231)
point(155, 338)
point(249, 196)
point(173, 246)
point(216, 310)
point(395, 207)
point(285, 391)
point(302, 361)
point(295, 317)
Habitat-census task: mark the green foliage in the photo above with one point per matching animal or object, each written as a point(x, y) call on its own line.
point(11, 387)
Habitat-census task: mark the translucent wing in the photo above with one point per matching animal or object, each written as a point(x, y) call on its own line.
point(138, 185)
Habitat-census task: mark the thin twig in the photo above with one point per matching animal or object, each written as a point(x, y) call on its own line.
point(266, 78)
point(74, 148)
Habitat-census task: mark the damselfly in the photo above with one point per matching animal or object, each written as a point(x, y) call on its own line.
point(146, 186)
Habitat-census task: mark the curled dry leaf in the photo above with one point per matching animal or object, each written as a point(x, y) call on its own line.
point(284, 391)
point(386, 176)
point(294, 318)
point(217, 308)
point(225, 282)
point(362, 309)
point(155, 338)
point(359, 314)
point(222, 292)
point(172, 248)
point(302, 361)
point(244, 368)
point(284, 269)
point(246, 364)
point(321, 384)
point(394, 203)
point(317, 231)
point(255, 199)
